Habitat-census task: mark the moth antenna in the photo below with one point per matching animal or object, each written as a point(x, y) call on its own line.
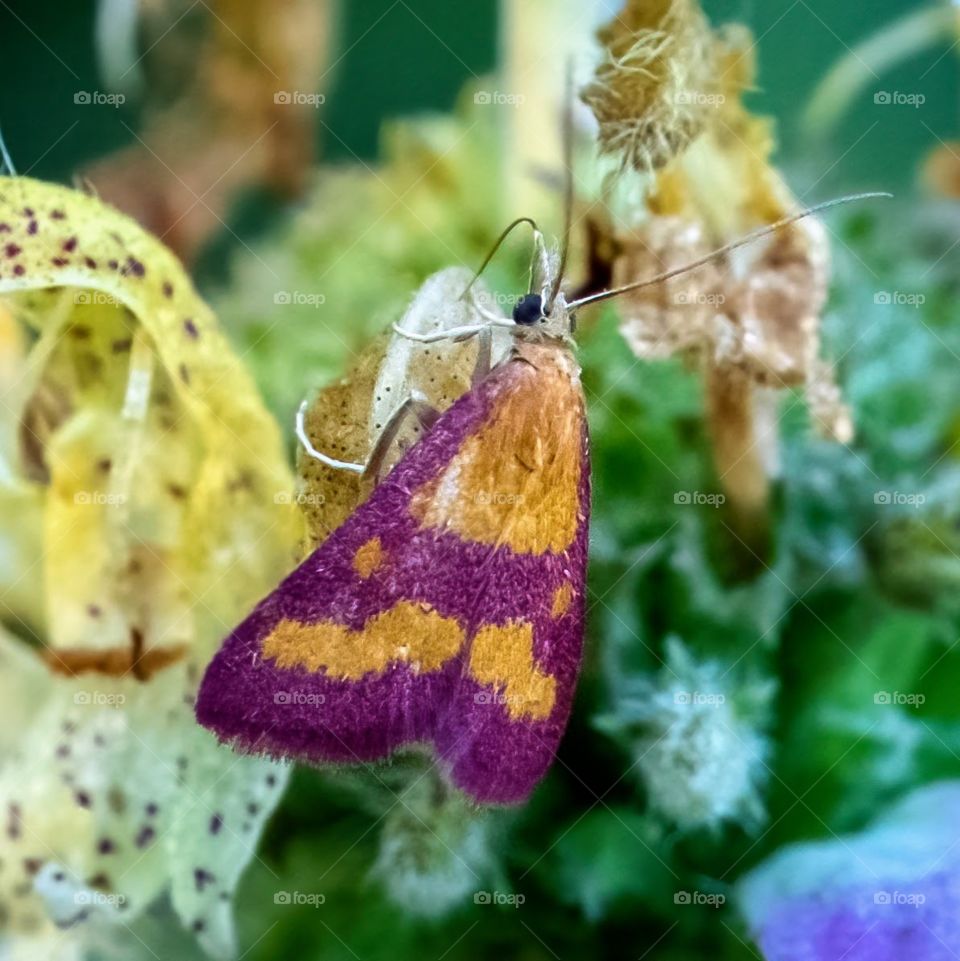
point(496, 246)
point(725, 249)
point(5, 157)
point(315, 454)
point(454, 333)
point(567, 189)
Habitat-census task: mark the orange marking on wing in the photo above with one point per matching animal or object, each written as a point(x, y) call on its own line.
point(502, 656)
point(516, 480)
point(408, 633)
point(562, 599)
point(369, 557)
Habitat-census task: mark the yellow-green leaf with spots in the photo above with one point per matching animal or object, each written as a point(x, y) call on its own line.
point(164, 490)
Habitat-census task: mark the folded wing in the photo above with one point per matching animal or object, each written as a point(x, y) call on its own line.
point(447, 609)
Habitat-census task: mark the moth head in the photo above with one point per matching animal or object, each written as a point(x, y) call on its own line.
point(537, 317)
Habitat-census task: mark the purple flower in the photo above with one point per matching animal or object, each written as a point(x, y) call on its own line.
point(889, 893)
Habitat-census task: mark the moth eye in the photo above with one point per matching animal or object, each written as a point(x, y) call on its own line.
point(528, 310)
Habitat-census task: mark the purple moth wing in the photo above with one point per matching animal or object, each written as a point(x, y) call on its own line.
point(448, 608)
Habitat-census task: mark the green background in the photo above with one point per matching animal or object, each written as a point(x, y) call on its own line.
point(394, 65)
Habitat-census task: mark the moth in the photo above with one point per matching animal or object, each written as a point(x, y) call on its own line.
point(448, 609)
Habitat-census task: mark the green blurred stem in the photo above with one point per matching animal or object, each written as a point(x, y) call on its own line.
point(531, 127)
point(539, 40)
point(893, 44)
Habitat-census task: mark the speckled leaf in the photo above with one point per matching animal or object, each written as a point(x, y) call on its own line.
point(115, 795)
point(143, 489)
point(162, 469)
point(220, 814)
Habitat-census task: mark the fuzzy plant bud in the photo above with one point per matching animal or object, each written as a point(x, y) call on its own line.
point(651, 90)
point(434, 849)
point(694, 731)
